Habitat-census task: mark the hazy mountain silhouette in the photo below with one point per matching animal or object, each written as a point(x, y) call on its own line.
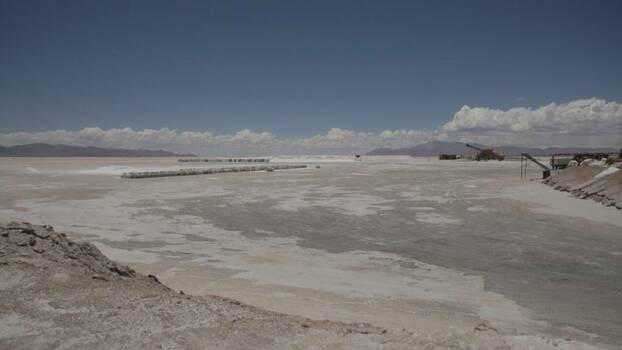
point(48, 150)
point(435, 148)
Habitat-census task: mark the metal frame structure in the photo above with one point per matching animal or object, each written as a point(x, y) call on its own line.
point(546, 171)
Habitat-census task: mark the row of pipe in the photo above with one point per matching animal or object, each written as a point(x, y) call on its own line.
point(225, 160)
point(188, 172)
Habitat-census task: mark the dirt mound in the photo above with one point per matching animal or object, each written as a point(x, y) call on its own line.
point(55, 293)
point(602, 184)
point(28, 240)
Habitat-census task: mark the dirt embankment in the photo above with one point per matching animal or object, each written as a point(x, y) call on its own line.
point(602, 184)
point(58, 294)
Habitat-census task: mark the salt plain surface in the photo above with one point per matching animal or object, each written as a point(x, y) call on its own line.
point(400, 242)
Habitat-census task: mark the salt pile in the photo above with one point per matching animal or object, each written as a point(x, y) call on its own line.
point(602, 184)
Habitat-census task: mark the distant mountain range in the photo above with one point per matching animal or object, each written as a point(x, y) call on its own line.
point(47, 150)
point(435, 148)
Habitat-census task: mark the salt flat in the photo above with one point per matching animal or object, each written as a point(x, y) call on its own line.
point(400, 242)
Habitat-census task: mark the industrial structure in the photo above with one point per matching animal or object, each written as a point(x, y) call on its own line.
point(486, 154)
point(207, 171)
point(562, 160)
point(225, 160)
point(445, 156)
point(525, 157)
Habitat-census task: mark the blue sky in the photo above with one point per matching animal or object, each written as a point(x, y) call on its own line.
point(297, 68)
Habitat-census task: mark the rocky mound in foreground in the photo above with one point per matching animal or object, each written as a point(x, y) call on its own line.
point(602, 184)
point(55, 293)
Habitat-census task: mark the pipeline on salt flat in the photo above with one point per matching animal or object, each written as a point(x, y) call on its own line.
point(225, 160)
point(187, 172)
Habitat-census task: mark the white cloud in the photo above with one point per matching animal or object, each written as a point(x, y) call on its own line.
point(579, 115)
point(243, 142)
point(348, 141)
point(587, 122)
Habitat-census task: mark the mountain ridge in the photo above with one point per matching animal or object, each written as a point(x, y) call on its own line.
point(435, 148)
point(62, 150)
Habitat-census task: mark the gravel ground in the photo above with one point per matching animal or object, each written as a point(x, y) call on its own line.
point(58, 294)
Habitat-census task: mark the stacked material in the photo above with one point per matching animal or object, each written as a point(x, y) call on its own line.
point(600, 183)
point(198, 171)
point(225, 160)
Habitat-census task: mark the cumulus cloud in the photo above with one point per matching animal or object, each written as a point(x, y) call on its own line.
point(581, 122)
point(587, 122)
point(580, 115)
point(344, 140)
point(243, 142)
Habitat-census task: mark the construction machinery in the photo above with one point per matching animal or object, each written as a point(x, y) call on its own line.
point(486, 154)
point(445, 156)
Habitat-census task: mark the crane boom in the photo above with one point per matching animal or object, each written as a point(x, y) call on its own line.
point(474, 147)
point(485, 154)
point(546, 171)
point(528, 156)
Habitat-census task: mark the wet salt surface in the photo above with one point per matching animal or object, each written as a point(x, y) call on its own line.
point(410, 230)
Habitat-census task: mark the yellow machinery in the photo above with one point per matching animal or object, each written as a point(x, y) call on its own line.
point(486, 154)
